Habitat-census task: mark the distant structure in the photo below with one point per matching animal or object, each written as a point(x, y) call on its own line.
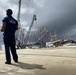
point(19, 11)
point(17, 35)
point(53, 37)
point(28, 32)
point(20, 33)
point(53, 40)
point(41, 33)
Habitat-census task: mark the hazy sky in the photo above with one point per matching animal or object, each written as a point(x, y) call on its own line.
point(56, 15)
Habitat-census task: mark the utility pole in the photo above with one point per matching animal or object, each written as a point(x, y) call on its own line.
point(19, 11)
point(19, 24)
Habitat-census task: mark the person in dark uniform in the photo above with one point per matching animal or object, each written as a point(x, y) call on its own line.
point(10, 25)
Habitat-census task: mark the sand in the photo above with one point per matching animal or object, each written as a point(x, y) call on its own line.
point(47, 61)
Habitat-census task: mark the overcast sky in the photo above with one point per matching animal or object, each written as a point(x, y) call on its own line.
point(58, 16)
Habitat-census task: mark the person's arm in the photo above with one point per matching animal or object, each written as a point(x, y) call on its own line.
point(3, 26)
point(17, 27)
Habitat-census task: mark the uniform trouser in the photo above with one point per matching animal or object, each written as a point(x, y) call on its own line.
point(10, 45)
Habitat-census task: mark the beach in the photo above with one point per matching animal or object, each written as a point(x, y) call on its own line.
point(45, 61)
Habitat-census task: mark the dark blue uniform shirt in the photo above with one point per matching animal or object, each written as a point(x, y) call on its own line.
point(11, 25)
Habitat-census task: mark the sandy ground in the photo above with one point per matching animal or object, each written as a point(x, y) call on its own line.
point(47, 61)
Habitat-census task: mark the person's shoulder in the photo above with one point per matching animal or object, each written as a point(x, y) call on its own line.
point(5, 19)
point(14, 19)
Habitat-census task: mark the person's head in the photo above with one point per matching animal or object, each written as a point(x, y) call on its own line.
point(9, 12)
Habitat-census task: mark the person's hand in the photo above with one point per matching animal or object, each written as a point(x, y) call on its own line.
point(2, 30)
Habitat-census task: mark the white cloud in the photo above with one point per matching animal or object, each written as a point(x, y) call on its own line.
point(23, 10)
point(24, 23)
point(48, 11)
point(2, 12)
point(4, 1)
point(39, 3)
